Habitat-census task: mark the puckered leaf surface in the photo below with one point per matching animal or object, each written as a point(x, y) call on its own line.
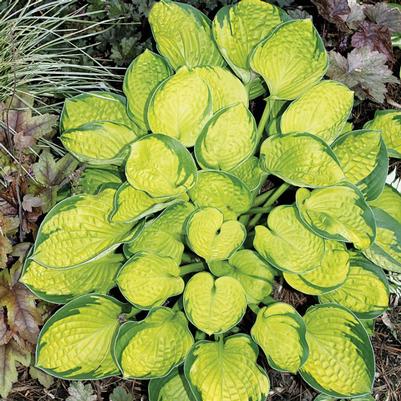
point(250, 173)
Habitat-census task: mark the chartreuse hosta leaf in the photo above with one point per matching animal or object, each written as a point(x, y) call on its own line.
point(365, 290)
point(164, 235)
point(389, 123)
point(301, 159)
point(93, 180)
point(160, 166)
point(280, 331)
point(287, 243)
point(341, 360)
point(291, 59)
point(212, 237)
point(386, 250)
point(250, 173)
point(148, 280)
point(154, 346)
point(331, 273)
point(233, 125)
point(77, 230)
point(99, 143)
point(176, 111)
point(61, 286)
point(183, 35)
point(95, 106)
point(172, 387)
point(131, 204)
point(141, 78)
point(363, 158)
point(226, 370)
point(225, 88)
point(338, 212)
point(223, 191)
point(239, 27)
point(75, 343)
point(322, 110)
point(255, 274)
point(214, 305)
point(389, 201)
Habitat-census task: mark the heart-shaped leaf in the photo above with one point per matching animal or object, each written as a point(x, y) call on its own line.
point(301, 159)
point(147, 280)
point(223, 191)
point(291, 59)
point(95, 106)
point(330, 274)
point(141, 78)
point(180, 106)
point(338, 212)
point(216, 370)
point(154, 346)
point(160, 166)
point(365, 290)
point(172, 387)
point(389, 123)
point(322, 110)
point(75, 343)
point(60, 286)
point(99, 143)
point(77, 231)
point(287, 244)
point(238, 28)
point(233, 125)
point(337, 338)
point(255, 274)
point(183, 35)
point(211, 237)
point(214, 305)
point(280, 331)
point(363, 158)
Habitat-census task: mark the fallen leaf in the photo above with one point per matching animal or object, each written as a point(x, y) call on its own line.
point(43, 378)
point(79, 392)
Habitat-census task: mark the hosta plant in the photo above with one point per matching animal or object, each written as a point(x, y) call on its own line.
point(173, 217)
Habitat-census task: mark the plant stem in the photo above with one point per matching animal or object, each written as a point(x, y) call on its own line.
point(191, 268)
point(186, 258)
point(262, 198)
point(255, 210)
point(254, 308)
point(277, 193)
point(263, 120)
point(132, 313)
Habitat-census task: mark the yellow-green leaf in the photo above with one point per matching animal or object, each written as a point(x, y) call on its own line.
point(301, 159)
point(287, 243)
point(363, 158)
point(250, 173)
point(341, 360)
point(93, 180)
point(77, 231)
point(160, 166)
point(75, 343)
point(180, 106)
point(389, 123)
point(365, 290)
point(226, 370)
point(95, 106)
point(99, 143)
point(214, 305)
point(60, 286)
point(225, 88)
point(238, 28)
point(322, 110)
point(254, 273)
point(291, 59)
point(389, 201)
point(280, 331)
point(338, 212)
point(330, 274)
point(148, 280)
point(154, 346)
point(212, 237)
point(173, 387)
point(183, 35)
point(141, 78)
point(234, 125)
point(223, 191)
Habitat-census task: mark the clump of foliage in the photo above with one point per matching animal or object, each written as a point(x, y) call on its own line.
point(175, 178)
